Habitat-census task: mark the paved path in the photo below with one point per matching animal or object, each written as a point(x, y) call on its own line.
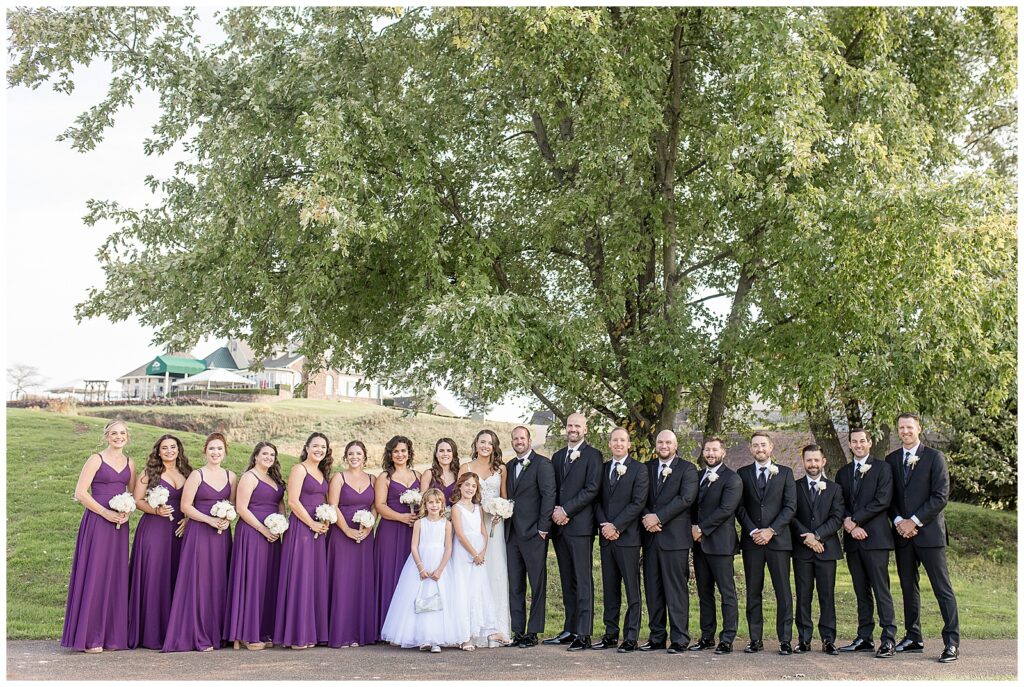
point(45, 660)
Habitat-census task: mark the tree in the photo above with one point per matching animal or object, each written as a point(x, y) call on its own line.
point(23, 377)
point(610, 208)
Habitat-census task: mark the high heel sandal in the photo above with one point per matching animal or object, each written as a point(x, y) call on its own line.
point(467, 646)
point(255, 646)
point(94, 650)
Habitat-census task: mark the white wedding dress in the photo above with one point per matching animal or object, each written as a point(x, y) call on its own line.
point(495, 563)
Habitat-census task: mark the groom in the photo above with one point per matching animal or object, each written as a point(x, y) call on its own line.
point(530, 483)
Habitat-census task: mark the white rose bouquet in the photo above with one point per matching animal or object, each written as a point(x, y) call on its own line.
point(363, 518)
point(498, 508)
point(411, 498)
point(122, 503)
point(325, 512)
point(223, 510)
point(276, 523)
point(158, 496)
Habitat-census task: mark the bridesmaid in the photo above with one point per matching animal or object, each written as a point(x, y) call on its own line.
point(97, 606)
point(256, 559)
point(154, 564)
point(444, 470)
point(300, 620)
point(394, 532)
point(200, 592)
point(353, 619)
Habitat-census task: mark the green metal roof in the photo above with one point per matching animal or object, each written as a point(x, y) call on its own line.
point(174, 365)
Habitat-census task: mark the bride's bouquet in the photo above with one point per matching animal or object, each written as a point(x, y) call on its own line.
point(363, 518)
point(223, 510)
point(276, 523)
point(499, 508)
point(122, 503)
point(325, 512)
point(411, 498)
point(158, 496)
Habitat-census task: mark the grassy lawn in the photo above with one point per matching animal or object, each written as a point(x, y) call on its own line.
point(45, 452)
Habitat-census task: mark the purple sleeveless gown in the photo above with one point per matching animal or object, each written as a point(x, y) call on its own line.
point(255, 564)
point(97, 608)
point(392, 547)
point(301, 615)
point(152, 571)
point(350, 570)
point(200, 592)
point(447, 491)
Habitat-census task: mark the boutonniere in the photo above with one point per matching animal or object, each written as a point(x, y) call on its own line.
point(526, 463)
point(574, 455)
point(864, 467)
point(621, 469)
point(712, 478)
point(773, 469)
point(821, 485)
point(912, 461)
point(666, 472)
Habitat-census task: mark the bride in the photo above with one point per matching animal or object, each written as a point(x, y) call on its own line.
point(487, 465)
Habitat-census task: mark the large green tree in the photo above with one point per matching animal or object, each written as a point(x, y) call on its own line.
point(634, 210)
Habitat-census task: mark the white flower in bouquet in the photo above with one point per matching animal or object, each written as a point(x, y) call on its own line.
point(276, 523)
point(498, 508)
point(574, 455)
point(821, 485)
point(620, 469)
point(122, 503)
point(325, 512)
point(223, 510)
point(411, 498)
point(773, 469)
point(158, 496)
point(363, 518)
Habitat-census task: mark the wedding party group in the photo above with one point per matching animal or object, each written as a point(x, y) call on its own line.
point(443, 557)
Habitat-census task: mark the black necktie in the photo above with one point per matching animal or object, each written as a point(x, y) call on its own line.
point(565, 463)
point(814, 493)
point(614, 477)
point(856, 479)
point(762, 480)
point(514, 467)
point(906, 467)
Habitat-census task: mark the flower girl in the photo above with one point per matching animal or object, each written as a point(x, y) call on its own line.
point(421, 611)
point(477, 607)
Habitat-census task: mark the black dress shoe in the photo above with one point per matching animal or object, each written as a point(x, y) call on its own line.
point(885, 650)
point(649, 646)
point(723, 648)
point(949, 654)
point(627, 646)
point(785, 649)
point(605, 643)
point(909, 646)
point(528, 640)
point(858, 645)
point(801, 648)
point(579, 643)
point(830, 648)
point(702, 645)
point(516, 638)
point(753, 647)
point(676, 648)
point(560, 638)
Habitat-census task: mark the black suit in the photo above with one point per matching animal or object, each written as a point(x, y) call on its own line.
point(714, 512)
point(774, 508)
point(533, 492)
point(922, 492)
point(577, 484)
point(620, 503)
point(819, 513)
point(868, 559)
point(666, 553)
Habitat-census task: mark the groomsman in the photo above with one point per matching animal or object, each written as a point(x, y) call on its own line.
point(577, 482)
point(666, 540)
point(867, 540)
point(530, 483)
point(715, 547)
point(819, 515)
point(622, 497)
point(922, 490)
point(768, 506)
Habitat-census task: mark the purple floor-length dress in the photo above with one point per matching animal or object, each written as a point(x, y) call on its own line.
point(200, 592)
point(255, 564)
point(353, 578)
point(152, 571)
point(392, 547)
point(301, 614)
point(447, 491)
point(96, 614)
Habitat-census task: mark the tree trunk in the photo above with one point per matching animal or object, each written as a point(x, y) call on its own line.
point(826, 436)
point(880, 447)
point(720, 387)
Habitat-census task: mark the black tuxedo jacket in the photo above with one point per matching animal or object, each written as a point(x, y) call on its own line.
point(924, 494)
point(534, 496)
point(870, 509)
point(576, 490)
point(622, 504)
point(670, 501)
point(823, 520)
point(775, 509)
point(714, 512)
